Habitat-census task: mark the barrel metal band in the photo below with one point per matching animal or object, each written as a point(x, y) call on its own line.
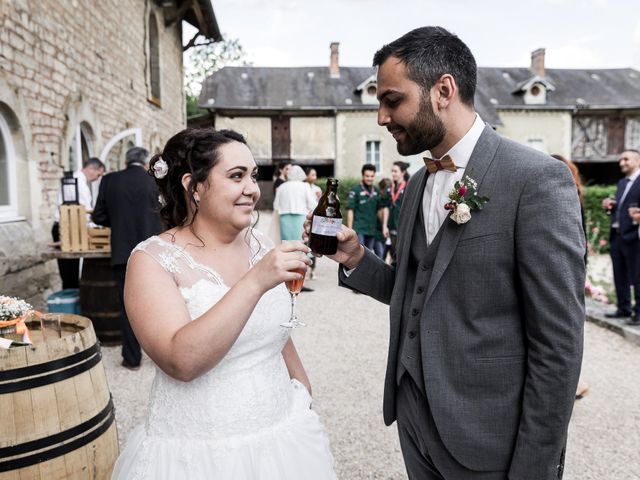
point(54, 377)
point(48, 366)
point(107, 416)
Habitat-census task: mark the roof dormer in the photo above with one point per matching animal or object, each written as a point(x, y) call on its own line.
point(368, 91)
point(534, 90)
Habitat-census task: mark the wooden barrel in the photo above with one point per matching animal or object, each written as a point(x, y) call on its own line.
point(56, 413)
point(99, 300)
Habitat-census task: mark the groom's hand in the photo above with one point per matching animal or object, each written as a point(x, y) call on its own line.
point(350, 251)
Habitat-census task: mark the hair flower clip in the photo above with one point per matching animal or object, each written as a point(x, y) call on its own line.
point(160, 168)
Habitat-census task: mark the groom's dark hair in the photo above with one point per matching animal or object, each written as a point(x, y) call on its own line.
point(429, 53)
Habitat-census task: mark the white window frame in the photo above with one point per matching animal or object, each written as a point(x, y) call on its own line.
point(370, 154)
point(9, 212)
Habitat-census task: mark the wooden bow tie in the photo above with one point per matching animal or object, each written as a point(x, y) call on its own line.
point(445, 163)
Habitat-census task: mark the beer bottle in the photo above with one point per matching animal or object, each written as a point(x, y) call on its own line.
point(326, 222)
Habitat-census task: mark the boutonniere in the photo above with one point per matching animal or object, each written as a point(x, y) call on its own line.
point(464, 198)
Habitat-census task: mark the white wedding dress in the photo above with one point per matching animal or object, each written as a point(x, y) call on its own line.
point(243, 420)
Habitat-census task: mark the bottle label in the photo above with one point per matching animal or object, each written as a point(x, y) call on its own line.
point(329, 227)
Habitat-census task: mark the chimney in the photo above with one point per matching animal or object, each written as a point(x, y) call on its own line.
point(537, 62)
point(334, 65)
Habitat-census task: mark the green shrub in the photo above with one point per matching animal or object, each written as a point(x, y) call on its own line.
point(598, 222)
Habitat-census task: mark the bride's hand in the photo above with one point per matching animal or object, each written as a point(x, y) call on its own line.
point(277, 266)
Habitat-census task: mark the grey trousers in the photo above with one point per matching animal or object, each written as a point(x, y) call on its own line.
point(425, 456)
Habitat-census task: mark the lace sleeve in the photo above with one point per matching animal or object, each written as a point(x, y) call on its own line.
point(168, 258)
point(176, 262)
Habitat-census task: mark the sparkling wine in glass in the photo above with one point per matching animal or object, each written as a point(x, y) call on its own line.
point(294, 287)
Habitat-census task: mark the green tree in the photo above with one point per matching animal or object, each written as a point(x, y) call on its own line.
point(202, 59)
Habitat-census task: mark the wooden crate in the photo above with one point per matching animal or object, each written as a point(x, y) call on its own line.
point(73, 228)
point(100, 239)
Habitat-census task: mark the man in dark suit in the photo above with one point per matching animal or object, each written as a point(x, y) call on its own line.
point(486, 306)
point(623, 238)
point(128, 202)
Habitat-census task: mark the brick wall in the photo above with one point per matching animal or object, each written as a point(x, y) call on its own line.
point(71, 61)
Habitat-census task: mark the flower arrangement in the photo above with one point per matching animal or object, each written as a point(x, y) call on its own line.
point(464, 199)
point(12, 307)
point(13, 313)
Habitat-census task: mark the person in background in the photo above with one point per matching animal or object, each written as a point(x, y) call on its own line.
point(363, 205)
point(383, 233)
point(399, 177)
point(623, 238)
point(92, 170)
point(293, 201)
point(311, 179)
point(283, 172)
point(583, 387)
point(128, 202)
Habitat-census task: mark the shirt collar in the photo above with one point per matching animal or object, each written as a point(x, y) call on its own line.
point(461, 151)
point(634, 176)
point(80, 175)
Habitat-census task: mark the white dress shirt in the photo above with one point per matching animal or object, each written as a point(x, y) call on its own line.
point(631, 178)
point(440, 183)
point(84, 195)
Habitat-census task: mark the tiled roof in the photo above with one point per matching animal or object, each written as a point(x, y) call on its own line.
point(313, 88)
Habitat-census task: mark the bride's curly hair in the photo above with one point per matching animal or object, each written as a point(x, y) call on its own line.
point(195, 151)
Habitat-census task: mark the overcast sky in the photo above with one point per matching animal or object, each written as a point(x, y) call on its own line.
point(575, 33)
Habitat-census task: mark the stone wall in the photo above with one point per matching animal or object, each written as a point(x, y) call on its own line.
point(549, 131)
point(70, 63)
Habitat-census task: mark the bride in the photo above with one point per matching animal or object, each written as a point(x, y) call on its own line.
point(230, 399)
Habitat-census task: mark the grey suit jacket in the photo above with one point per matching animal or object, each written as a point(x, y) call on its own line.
point(502, 325)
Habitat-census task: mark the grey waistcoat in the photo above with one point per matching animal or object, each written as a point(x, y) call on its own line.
point(419, 268)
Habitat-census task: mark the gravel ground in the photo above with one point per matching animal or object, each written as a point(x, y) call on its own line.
point(344, 349)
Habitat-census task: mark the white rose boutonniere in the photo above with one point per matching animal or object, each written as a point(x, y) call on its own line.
point(464, 198)
point(462, 214)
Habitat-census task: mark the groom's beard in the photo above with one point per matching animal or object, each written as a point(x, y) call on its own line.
point(424, 132)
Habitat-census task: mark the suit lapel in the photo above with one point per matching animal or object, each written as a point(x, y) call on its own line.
point(479, 163)
point(620, 189)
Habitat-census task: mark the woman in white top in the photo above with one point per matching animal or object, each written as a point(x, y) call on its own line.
point(293, 201)
point(312, 177)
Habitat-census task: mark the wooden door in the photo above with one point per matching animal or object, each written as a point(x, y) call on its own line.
point(615, 135)
point(280, 138)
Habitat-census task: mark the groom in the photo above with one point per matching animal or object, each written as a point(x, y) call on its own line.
point(486, 316)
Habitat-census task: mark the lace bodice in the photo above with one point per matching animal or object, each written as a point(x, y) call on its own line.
point(250, 388)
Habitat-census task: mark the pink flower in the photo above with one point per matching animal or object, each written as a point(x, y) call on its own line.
point(462, 190)
point(595, 230)
point(602, 242)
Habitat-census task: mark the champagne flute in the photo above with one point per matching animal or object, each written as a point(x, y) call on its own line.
point(51, 322)
point(294, 287)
